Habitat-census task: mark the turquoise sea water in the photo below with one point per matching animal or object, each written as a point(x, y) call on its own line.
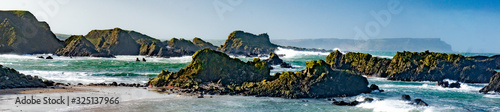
point(125, 69)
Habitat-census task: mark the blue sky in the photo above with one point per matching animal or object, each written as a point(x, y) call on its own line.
point(468, 25)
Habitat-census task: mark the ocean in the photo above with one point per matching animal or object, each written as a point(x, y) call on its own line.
point(124, 69)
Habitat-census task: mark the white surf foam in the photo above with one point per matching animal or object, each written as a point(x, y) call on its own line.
point(290, 53)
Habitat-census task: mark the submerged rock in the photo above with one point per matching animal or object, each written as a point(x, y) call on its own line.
point(49, 57)
point(493, 85)
point(417, 102)
point(22, 33)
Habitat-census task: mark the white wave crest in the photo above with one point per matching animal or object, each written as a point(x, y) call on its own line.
point(290, 53)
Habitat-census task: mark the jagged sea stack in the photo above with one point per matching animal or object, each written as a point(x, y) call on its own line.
point(243, 43)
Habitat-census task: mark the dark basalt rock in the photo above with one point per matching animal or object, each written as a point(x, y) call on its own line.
point(275, 60)
point(443, 83)
point(22, 33)
point(406, 98)
point(10, 78)
point(353, 103)
point(49, 57)
point(41, 57)
point(455, 85)
point(417, 102)
point(493, 85)
point(374, 87)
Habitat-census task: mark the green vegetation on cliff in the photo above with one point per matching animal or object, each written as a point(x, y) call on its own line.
point(21, 33)
point(78, 45)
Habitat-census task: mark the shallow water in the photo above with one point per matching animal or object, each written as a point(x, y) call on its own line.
point(125, 69)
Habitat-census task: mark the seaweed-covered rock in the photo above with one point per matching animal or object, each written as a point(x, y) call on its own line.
point(430, 66)
point(210, 66)
point(494, 84)
point(78, 45)
point(317, 80)
point(243, 43)
point(22, 33)
point(10, 78)
point(359, 62)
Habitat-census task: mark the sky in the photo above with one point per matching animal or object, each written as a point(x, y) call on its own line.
point(467, 25)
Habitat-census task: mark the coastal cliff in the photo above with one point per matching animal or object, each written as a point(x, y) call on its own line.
point(243, 43)
point(22, 33)
point(78, 45)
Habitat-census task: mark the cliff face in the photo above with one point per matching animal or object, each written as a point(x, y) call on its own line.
point(78, 45)
point(388, 44)
point(243, 43)
point(22, 33)
point(10, 78)
point(212, 66)
point(116, 41)
point(494, 84)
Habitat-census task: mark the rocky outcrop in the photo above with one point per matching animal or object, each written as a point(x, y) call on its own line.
point(317, 80)
point(494, 84)
point(116, 41)
point(275, 60)
point(210, 66)
point(186, 45)
point(413, 66)
point(78, 45)
point(431, 66)
point(243, 43)
point(22, 33)
point(10, 78)
point(360, 62)
point(215, 72)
